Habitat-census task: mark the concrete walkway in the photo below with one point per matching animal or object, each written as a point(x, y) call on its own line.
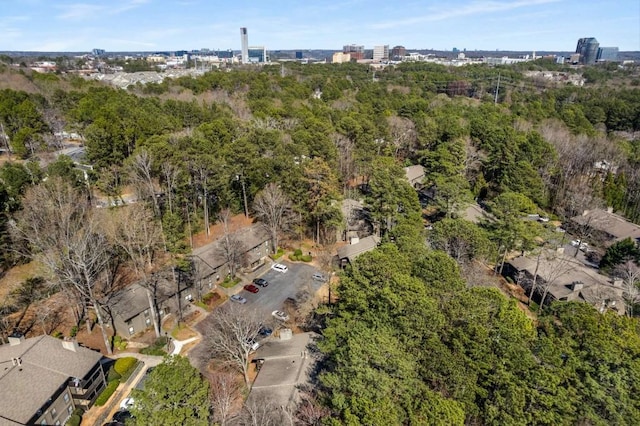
point(179, 344)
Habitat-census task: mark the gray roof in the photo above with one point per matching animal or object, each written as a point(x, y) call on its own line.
point(132, 300)
point(211, 254)
point(474, 213)
point(610, 223)
point(563, 271)
point(414, 173)
point(352, 251)
point(45, 367)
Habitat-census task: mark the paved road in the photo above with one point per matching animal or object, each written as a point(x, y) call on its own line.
point(281, 286)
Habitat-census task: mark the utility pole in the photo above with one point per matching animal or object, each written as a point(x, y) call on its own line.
point(497, 90)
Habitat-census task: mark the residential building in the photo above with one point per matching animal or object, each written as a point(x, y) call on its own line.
point(587, 47)
point(415, 175)
point(607, 54)
point(565, 279)
point(43, 379)
point(381, 53)
point(347, 254)
point(131, 307)
point(244, 42)
point(340, 58)
point(604, 226)
point(398, 52)
point(210, 260)
point(356, 220)
point(355, 51)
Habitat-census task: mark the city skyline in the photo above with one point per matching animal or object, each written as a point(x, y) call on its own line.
point(154, 25)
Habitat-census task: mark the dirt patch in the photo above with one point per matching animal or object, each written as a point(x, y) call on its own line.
point(216, 230)
point(17, 275)
point(183, 332)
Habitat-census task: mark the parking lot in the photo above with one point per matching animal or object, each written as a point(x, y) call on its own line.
point(281, 286)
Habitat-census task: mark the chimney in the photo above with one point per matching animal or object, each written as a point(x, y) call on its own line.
point(586, 212)
point(560, 250)
point(354, 240)
point(14, 361)
point(617, 282)
point(16, 338)
point(609, 210)
point(577, 286)
point(70, 344)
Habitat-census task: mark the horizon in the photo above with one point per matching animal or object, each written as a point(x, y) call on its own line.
point(170, 25)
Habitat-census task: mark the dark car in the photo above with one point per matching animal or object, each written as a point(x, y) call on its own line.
point(122, 416)
point(261, 282)
point(251, 288)
point(265, 331)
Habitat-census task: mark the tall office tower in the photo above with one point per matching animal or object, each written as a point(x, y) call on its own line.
point(355, 52)
point(381, 53)
point(398, 52)
point(588, 49)
point(244, 41)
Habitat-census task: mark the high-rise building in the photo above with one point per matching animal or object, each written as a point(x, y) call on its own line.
point(607, 54)
point(356, 52)
point(98, 52)
point(298, 54)
point(398, 52)
point(381, 53)
point(588, 49)
point(244, 41)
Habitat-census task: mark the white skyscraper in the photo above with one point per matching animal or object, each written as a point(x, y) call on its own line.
point(244, 40)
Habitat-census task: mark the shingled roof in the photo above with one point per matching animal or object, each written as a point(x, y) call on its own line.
point(44, 366)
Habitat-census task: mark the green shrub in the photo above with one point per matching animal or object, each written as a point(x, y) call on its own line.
point(119, 344)
point(158, 347)
point(297, 252)
point(277, 255)
point(123, 365)
point(305, 258)
point(113, 375)
point(106, 393)
point(74, 420)
point(74, 331)
point(228, 282)
point(78, 412)
point(57, 334)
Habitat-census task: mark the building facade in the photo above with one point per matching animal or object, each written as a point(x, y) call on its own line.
point(587, 47)
point(340, 57)
point(607, 54)
point(398, 52)
point(381, 53)
point(257, 55)
point(356, 52)
point(45, 379)
point(244, 42)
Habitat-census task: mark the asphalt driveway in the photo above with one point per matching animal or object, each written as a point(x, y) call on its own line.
point(281, 286)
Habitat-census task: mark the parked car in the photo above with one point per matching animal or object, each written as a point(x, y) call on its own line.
point(238, 299)
point(582, 246)
point(319, 277)
point(279, 315)
point(261, 282)
point(251, 288)
point(121, 416)
point(252, 344)
point(265, 331)
point(126, 403)
point(279, 267)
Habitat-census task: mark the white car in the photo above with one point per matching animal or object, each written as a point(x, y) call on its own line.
point(253, 345)
point(126, 403)
point(279, 267)
point(279, 315)
point(581, 246)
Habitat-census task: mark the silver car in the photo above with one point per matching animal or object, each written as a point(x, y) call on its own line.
point(238, 299)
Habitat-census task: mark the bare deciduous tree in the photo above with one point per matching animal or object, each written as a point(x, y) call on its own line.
point(140, 175)
point(63, 234)
point(231, 248)
point(170, 174)
point(135, 231)
point(225, 391)
point(309, 411)
point(273, 209)
point(261, 411)
point(226, 334)
point(630, 274)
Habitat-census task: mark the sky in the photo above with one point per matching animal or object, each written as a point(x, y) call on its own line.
point(166, 25)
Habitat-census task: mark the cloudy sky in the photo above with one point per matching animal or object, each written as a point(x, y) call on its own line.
point(159, 25)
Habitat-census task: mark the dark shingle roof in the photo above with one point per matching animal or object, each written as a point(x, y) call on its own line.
point(44, 367)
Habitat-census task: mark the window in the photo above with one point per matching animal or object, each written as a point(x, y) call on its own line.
point(53, 413)
point(146, 313)
point(70, 409)
point(44, 422)
point(66, 397)
point(148, 321)
point(58, 422)
point(131, 330)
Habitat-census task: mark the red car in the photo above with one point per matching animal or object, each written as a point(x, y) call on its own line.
point(252, 288)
